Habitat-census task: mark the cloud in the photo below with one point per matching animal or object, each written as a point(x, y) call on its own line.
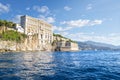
point(95, 22)
point(67, 8)
point(112, 38)
point(28, 8)
point(41, 9)
point(82, 23)
point(44, 13)
point(16, 19)
point(55, 28)
point(89, 7)
point(50, 19)
point(4, 8)
point(76, 23)
point(47, 19)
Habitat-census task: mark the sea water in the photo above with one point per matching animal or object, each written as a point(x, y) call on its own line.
point(81, 65)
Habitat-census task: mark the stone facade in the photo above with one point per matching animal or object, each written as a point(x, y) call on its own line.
point(38, 32)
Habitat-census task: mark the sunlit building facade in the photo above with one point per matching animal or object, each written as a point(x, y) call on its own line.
point(39, 28)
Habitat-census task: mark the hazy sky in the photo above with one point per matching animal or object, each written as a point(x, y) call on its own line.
point(81, 20)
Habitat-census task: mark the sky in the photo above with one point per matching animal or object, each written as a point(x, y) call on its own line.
point(80, 20)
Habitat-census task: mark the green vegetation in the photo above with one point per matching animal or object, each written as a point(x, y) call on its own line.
point(11, 35)
point(72, 41)
point(58, 35)
point(7, 24)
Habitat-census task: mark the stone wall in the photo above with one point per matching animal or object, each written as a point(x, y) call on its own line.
point(74, 46)
point(64, 44)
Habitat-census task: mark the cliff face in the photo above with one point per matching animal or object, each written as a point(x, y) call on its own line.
point(7, 46)
point(63, 44)
point(31, 43)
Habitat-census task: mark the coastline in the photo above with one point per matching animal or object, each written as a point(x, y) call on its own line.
point(8, 50)
point(33, 38)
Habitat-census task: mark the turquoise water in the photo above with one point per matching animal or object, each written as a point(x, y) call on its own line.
point(83, 65)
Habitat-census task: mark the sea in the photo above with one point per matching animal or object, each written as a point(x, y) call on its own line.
point(80, 65)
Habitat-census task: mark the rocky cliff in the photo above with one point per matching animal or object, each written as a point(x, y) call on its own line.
point(28, 44)
point(31, 44)
point(61, 43)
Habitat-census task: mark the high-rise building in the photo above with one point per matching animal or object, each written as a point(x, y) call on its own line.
point(41, 29)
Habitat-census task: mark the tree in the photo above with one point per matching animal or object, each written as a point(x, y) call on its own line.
point(2, 23)
point(7, 23)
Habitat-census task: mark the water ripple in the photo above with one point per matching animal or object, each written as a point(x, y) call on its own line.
point(84, 65)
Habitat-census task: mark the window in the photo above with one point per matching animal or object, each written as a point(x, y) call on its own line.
point(67, 44)
point(41, 36)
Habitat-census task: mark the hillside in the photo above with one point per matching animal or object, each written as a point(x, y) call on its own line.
point(90, 45)
point(9, 33)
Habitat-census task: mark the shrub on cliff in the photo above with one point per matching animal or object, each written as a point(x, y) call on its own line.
point(11, 35)
point(58, 35)
point(7, 24)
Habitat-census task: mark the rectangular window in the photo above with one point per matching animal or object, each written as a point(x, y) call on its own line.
point(41, 36)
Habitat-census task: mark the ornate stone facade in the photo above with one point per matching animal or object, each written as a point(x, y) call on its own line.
point(38, 31)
